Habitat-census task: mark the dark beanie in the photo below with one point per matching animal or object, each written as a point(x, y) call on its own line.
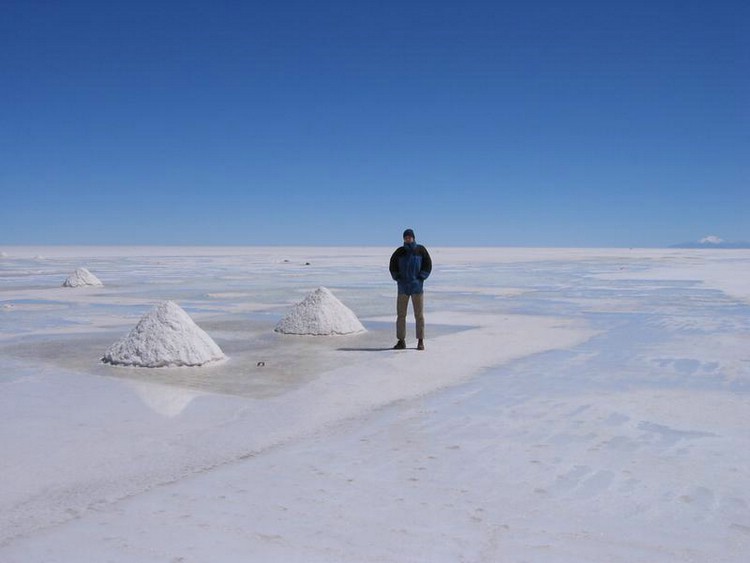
point(409, 233)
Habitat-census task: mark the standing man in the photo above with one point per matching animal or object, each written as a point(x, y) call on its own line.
point(410, 266)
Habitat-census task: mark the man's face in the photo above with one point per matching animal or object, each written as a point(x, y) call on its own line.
point(408, 239)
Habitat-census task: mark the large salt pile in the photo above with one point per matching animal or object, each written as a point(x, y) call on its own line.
point(320, 314)
point(165, 336)
point(81, 278)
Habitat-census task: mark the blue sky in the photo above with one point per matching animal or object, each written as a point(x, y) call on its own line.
point(529, 123)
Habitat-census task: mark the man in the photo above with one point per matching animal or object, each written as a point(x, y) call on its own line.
point(410, 266)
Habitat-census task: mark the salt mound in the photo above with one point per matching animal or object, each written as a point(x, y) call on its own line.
point(320, 314)
point(82, 277)
point(165, 336)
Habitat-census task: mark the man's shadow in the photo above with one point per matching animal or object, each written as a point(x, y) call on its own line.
point(375, 349)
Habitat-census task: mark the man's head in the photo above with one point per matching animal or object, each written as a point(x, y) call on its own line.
point(409, 236)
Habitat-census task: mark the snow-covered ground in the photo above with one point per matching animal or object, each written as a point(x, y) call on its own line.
point(572, 405)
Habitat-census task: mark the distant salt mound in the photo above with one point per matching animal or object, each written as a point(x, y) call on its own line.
point(320, 314)
point(165, 336)
point(3, 255)
point(81, 278)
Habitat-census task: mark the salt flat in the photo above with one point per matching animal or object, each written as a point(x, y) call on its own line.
point(572, 405)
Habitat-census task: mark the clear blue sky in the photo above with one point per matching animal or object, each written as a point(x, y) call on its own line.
point(523, 123)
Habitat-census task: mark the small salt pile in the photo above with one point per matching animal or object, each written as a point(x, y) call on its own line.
point(320, 314)
point(82, 278)
point(165, 336)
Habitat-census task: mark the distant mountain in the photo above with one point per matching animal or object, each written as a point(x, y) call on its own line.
point(713, 241)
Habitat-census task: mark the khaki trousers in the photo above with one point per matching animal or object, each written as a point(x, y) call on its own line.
point(402, 304)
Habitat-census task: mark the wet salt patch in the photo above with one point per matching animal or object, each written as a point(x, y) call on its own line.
point(34, 305)
point(478, 290)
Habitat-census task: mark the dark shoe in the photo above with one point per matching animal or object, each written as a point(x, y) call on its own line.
point(400, 345)
point(420, 344)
